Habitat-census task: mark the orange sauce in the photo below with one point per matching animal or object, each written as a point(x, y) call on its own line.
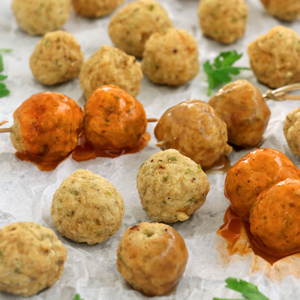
point(86, 151)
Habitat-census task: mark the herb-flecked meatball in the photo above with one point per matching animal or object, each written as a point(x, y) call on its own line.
point(291, 128)
point(31, 258)
point(132, 26)
point(171, 57)
point(37, 17)
point(87, 208)
point(253, 174)
point(242, 107)
point(95, 8)
point(109, 65)
point(287, 10)
point(56, 58)
point(275, 218)
point(152, 258)
point(195, 130)
point(171, 186)
point(274, 57)
point(223, 21)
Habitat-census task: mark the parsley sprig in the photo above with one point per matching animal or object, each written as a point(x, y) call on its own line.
point(77, 297)
point(247, 289)
point(3, 89)
point(219, 71)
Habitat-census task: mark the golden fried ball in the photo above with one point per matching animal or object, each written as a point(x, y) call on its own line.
point(132, 26)
point(31, 258)
point(242, 107)
point(56, 58)
point(152, 258)
point(37, 17)
point(254, 173)
point(223, 20)
point(275, 218)
point(109, 65)
point(291, 128)
point(87, 208)
point(95, 8)
point(195, 130)
point(114, 119)
point(171, 186)
point(274, 57)
point(46, 126)
point(171, 57)
point(287, 10)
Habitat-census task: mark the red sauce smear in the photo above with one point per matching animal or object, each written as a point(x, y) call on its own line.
point(231, 231)
point(86, 151)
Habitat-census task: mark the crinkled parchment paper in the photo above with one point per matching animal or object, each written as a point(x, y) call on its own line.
point(26, 193)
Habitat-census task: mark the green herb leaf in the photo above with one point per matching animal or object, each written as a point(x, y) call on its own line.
point(1, 64)
point(247, 289)
point(4, 92)
point(2, 77)
point(77, 297)
point(5, 50)
point(219, 71)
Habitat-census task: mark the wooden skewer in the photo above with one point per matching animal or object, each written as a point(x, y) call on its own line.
point(152, 120)
point(5, 130)
point(280, 95)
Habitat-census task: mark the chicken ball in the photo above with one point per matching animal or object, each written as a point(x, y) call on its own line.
point(152, 258)
point(274, 57)
point(287, 10)
point(86, 208)
point(46, 126)
point(31, 258)
point(195, 130)
point(95, 8)
point(223, 21)
point(254, 173)
point(56, 58)
point(171, 57)
point(110, 65)
point(37, 17)
point(132, 26)
point(114, 119)
point(291, 128)
point(275, 218)
point(242, 107)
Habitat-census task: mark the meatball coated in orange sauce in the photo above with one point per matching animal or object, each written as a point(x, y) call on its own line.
point(254, 173)
point(242, 107)
point(46, 128)
point(275, 218)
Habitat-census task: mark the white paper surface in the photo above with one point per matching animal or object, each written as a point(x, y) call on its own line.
point(26, 193)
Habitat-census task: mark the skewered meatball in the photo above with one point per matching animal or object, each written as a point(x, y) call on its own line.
point(31, 258)
point(195, 130)
point(223, 21)
point(254, 173)
point(291, 128)
point(56, 58)
point(242, 107)
point(37, 17)
point(110, 65)
point(132, 26)
point(274, 57)
point(171, 57)
point(152, 257)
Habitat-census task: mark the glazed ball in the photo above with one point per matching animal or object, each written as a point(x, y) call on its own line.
point(253, 174)
point(287, 10)
point(195, 130)
point(95, 8)
point(114, 119)
point(31, 258)
point(46, 126)
point(37, 17)
point(110, 65)
point(56, 58)
point(152, 258)
point(242, 107)
point(274, 218)
point(291, 128)
point(171, 186)
point(223, 21)
point(274, 57)
point(86, 208)
point(132, 26)
point(171, 57)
